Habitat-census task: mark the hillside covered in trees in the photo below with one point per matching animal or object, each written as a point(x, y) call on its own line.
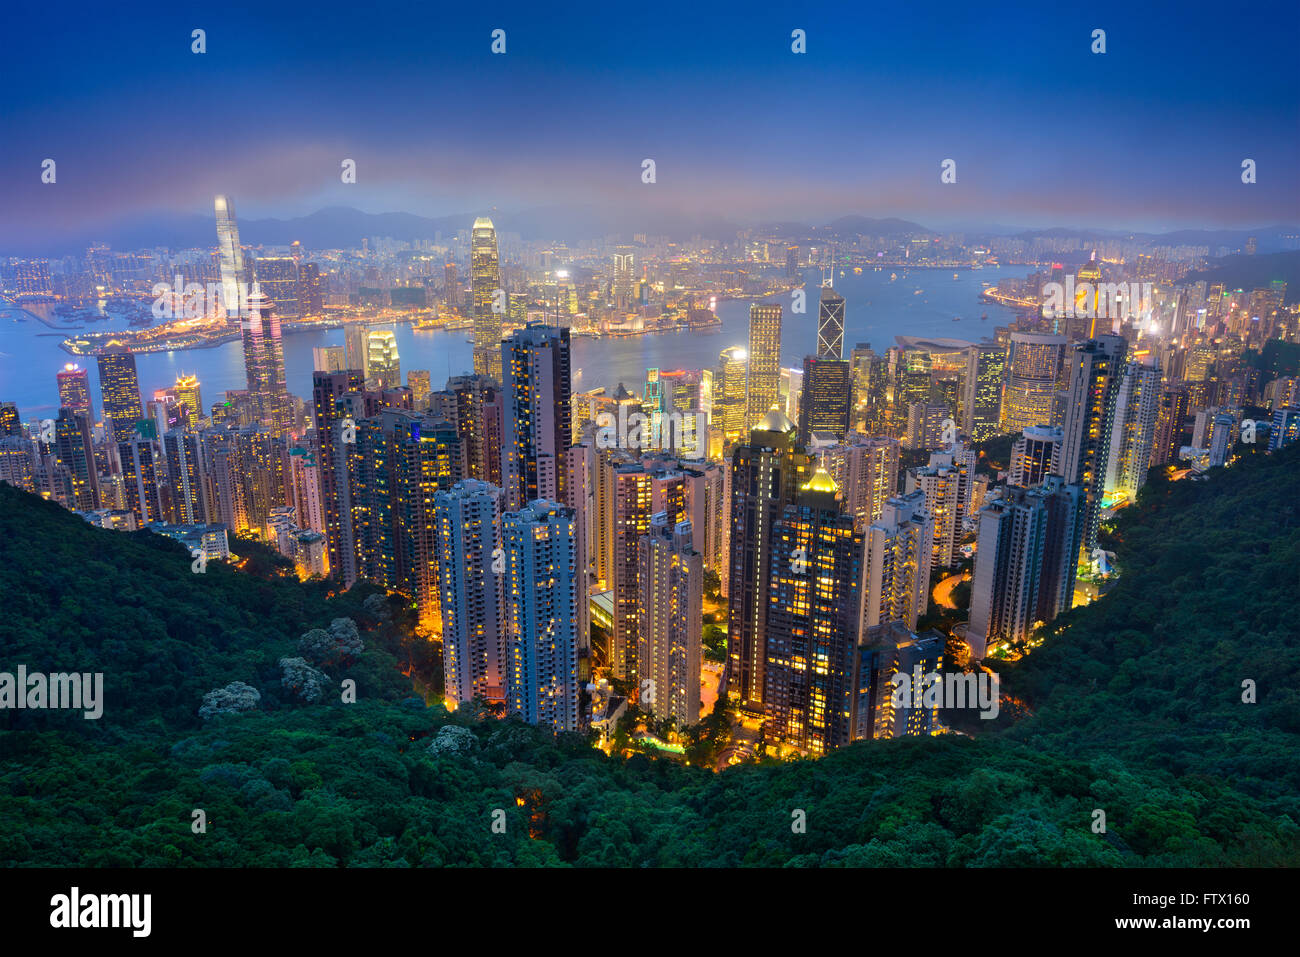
point(1134, 706)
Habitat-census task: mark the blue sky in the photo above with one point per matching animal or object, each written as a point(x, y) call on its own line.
point(1149, 135)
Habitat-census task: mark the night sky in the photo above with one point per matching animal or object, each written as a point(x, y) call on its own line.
point(1148, 136)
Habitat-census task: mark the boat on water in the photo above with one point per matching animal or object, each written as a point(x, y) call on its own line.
point(956, 318)
point(917, 292)
point(955, 276)
point(984, 316)
point(893, 276)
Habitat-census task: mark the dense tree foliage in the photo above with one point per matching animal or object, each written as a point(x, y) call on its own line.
point(1134, 706)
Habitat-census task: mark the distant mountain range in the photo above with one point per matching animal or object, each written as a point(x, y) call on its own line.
point(344, 227)
point(1256, 272)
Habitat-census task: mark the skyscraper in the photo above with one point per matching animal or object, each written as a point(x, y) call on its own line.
point(830, 325)
point(536, 420)
point(812, 620)
point(277, 277)
point(540, 595)
point(766, 475)
point(763, 382)
point(234, 277)
point(1025, 562)
point(1096, 369)
point(485, 280)
point(336, 398)
point(1033, 376)
point(1035, 455)
point(669, 623)
point(421, 386)
point(1137, 405)
point(981, 395)
point(120, 390)
point(74, 458)
point(264, 363)
point(1171, 414)
point(899, 553)
point(473, 636)
point(383, 364)
point(824, 398)
point(729, 392)
point(866, 472)
point(187, 393)
point(356, 340)
point(74, 389)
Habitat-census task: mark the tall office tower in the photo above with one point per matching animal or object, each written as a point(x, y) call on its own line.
point(473, 639)
point(420, 384)
point(10, 424)
point(824, 398)
point(479, 410)
point(1133, 431)
point(926, 423)
point(813, 608)
point(1096, 368)
point(328, 359)
point(1025, 563)
point(234, 277)
point(540, 602)
point(485, 281)
point(311, 290)
point(763, 383)
point(624, 276)
point(729, 392)
point(305, 487)
point(140, 468)
point(257, 460)
point(264, 363)
point(120, 390)
point(189, 395)
point(450, 285)
point(277, 277)
point(866, 472)
point(537, 394)
point(335, 418)
point(182, 452)
point(74, 458)
point(830, 325)
point(767, 472)
point(886, 650)
point(383, 364)
point(74, 389)
point(899, 551)
point(1035, 455)
point(356, 341)
point(947, 489)
point(1170, 416)
point(1034, 371)
point(792, 262)
point(981, 391)
point(669, 621)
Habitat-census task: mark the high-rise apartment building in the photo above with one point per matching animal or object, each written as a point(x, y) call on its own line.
point(470, 576)
point(1096, 370)
point(981, 391)
point(540, 595)
point(898, 554)
point(767, 472)
point(813, 609)
point(537, 393)
point(1026, 562)
point(1035, 455)
point(120, 390)
point(669, 620)
point(74, 389)
point(1137, 405)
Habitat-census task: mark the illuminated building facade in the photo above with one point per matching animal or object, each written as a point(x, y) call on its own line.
point(1033, 376)
point(485, 281)
point(120, 390)
point(537, 413)
point(669, 620)
point(898, 554)
point(763, 382)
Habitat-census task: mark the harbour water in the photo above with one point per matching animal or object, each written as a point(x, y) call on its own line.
point(876, 310)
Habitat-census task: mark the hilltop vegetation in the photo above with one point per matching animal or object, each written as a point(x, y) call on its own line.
point(1133, 707)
